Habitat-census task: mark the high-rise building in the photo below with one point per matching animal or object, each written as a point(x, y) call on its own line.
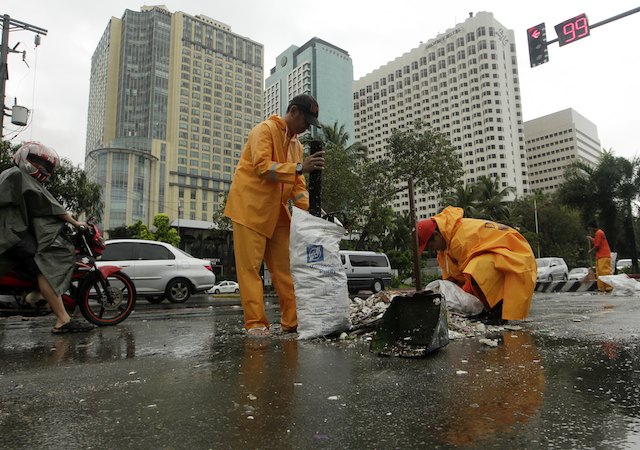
point(172, 99)
point(317, 68)
point(556, 140)
point(463, 83)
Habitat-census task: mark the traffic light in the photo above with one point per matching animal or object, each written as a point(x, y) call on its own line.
point(537, 39)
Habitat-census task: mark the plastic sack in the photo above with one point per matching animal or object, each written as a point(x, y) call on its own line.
point(622, 284)
point(457, 299)
point(322, 299)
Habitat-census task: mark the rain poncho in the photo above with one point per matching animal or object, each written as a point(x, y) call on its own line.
point(497, 257)
point(266, 178)
point(27, 207)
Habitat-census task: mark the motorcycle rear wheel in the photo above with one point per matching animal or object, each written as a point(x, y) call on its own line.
point(107, 302)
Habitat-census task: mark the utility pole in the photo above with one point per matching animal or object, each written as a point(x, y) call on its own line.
point(7, 24)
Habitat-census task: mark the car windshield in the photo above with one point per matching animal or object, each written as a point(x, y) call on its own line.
point(578, 270)
point(542, 262)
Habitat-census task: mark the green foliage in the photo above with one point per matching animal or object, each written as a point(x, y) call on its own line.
point(140, 231)
point(424, 156)
point(606, 193)
point(164, 232)
point(560, 229)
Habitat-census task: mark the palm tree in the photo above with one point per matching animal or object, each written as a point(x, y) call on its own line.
point(491, 200)
point(463, 197)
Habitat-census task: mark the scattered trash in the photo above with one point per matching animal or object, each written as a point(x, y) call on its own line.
point(333, 397)
point(461, 372)
point(251, 397)
point(489, 342)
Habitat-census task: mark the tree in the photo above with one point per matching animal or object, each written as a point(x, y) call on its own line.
point(491, 200)
point(164, 232)
point(606, 193)
point(464, 197)
point(560, 228)
point(424, 156)
point(421, 155)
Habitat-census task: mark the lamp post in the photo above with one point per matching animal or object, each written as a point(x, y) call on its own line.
point(535, 215)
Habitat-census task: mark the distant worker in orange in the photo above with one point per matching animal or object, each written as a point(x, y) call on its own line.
point(489, 260)
point(268, 176)
point(603, 255)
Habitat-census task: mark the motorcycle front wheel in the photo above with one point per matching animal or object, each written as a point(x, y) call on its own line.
point(107, 301)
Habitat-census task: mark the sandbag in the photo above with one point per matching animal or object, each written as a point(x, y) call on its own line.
point(322, 298)
point(622, 284)
point(457, 299)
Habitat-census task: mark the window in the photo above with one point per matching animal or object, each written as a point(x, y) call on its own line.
point(119, 251)
point(149, 252)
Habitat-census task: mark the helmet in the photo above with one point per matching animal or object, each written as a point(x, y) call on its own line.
point(37, 160)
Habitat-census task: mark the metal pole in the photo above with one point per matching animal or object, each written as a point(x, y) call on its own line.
point(4, 70)
point(605, 21)
point(7, 21)
point(535, 215)
point(414, 232)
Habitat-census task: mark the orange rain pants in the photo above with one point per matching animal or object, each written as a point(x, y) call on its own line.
point(603, 267)
point(251, 249)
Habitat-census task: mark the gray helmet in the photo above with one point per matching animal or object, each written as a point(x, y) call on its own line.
point(37, 160)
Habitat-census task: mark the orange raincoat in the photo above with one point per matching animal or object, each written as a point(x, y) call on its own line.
point(264, 182)
point(266, 178)
point(497, 257)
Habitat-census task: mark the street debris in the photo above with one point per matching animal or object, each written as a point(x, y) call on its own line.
point(365, 314)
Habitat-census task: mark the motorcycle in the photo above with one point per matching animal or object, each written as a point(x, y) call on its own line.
point(105, 295)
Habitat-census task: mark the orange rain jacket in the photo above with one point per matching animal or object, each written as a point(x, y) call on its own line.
point(499, 259)
point(266, 178)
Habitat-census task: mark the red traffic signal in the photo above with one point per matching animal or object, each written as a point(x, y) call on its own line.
point(537, 39)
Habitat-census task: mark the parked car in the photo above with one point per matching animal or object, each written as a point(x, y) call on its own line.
point(366, 270)
point(551, 269)
point(623, 265)
point(225, 287)
point(159, 270)
point(578, 273)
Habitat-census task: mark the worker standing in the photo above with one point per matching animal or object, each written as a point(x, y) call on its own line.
point(268, 176)
point(603, 255)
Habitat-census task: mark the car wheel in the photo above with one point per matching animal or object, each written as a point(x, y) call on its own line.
point(237, 291)
point(156, 299)
point(178, 290)
point(550, 278)
point(217, 291)
point(565, 277)
point(377, 286)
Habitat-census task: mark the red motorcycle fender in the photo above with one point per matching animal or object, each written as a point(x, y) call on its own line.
point(108, 270)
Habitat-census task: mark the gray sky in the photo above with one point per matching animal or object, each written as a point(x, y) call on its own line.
point(597, 76)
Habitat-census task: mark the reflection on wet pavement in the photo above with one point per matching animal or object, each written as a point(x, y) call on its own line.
point(194, 380)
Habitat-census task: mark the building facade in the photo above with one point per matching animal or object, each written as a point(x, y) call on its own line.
point(172, 99)
point(317, 68)
point(555, 141)
point(463, 83)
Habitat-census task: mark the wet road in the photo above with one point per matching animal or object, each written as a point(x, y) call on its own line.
point(188, 378)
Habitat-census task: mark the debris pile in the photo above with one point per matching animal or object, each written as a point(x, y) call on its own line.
point(366, 313)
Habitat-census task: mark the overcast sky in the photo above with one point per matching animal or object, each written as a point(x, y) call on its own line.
point(597, 76)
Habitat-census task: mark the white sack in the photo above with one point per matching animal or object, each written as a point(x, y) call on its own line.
point(622, 284)
point(322, 299)
point(457, 299)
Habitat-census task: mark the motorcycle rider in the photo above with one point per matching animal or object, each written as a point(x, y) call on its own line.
point(31, 221)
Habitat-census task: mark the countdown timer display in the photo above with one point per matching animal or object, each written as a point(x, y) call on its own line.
point(572, 29)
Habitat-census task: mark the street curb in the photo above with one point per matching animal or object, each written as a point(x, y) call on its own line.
point(565, 286)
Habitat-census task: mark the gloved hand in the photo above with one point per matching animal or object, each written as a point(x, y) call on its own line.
point(468, 288)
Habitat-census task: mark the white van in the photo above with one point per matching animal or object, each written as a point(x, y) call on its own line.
point(366, 270)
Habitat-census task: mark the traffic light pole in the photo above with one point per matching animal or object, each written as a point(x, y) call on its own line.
point(604, 22)
point(7, 23)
